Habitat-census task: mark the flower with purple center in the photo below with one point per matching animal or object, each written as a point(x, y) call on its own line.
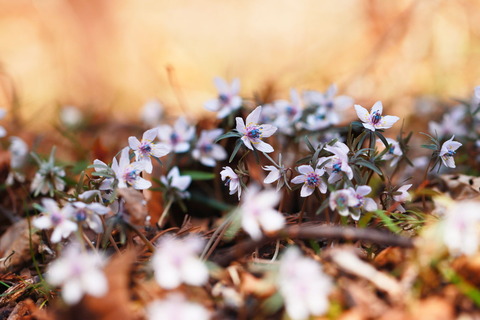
point(366, 203)
point(56, 218)
point(342, 200)
point(228, 99)
point(394, 152)
point(311, 179)
point(402, 197)
point(253, 132)
point(337, 164)
point(231, 180)
point(128, 174)
point(146, 149)
point(177, 138)
point(447, 152)
point(374, 120)
point(208, 152)
point(88, 214)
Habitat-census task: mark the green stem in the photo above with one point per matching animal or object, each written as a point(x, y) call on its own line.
point(164, 213)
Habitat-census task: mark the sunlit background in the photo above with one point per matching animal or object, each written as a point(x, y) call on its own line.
point(116, 55)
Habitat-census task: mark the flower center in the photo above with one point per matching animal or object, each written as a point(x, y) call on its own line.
point(313, 180)
point(329, 105)
point(254, 133)
point(174, 138)
point(145, 148)
point(56, 218)
point(81, 215)
point(360, 201)
point(391, 150)
point(450, 153)
point(337, 167)
point(206, 148)
point(341, 201)
point(131, 176)
point(224, 98)
point(291, 111)
point(376, 117)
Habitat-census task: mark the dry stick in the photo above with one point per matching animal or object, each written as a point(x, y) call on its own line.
point(319, 232)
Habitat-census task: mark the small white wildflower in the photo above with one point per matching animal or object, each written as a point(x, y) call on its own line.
point(128, 174)
point(146, 149)
point(54, 217)
point(402, 197)
point(78, 273)
point(452, 124)
point(228, 99)
point(152, 112)
point(338, 163)
point(253, 132)
point(374, 120)
point(89, 214)
point(366, 203)
point(208, 152)
point(175, 306)
point(288, 112)
point(176, 261)
point(178, 137)
point(48, 177)
point(18, 158)
point(232, 180)
point(394, 152)
point(342, 200)
point(311, 179)
point(303, 285)
point(177, 183)
point(448, 151)
point(258, 212)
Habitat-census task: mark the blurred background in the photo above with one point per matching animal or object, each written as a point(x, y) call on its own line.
point(116, 55)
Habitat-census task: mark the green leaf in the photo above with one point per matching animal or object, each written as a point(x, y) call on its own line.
point(237, 147)
point(385, 142)
point(430, 146)
point(369, 165)
point(228, 135)
point(199, 175)
point(309, 144)
point(389, 223)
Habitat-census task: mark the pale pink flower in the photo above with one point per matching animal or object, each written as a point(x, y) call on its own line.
point(394, 152)
point(258, 212)
point(176, 261)
point(176, 307)
point(374, 120)
point(56, 218)
point(89, 214)
point(78, 273)
point(232, 180)
point(337, 163)
point(344, 199)
point(448, 151)
point(178, 137)
point(146, 149)
point(253, 132)
point(402, 197)
point(311, 179)
point(288, 112)
point(208, 152)
point(228, 99)
point(174, 181)
point(128, 174)
point(303, 285)
point(366, 203)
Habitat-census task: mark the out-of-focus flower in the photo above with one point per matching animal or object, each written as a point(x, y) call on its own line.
point(228, 99)
point(88, 214)
point(177, 183)
point(288, 112)
point(178, 137)
point(175, 306)
point(258, 212)
point(462, 227)
point(254, 132)
point(311, 179)
point(18, 157)
point(71, 116)
point(337, 163)
point(3, 132)
point(128, 174)
point(342, 200)
point(451, 124)
point(48, 177)
point(146, 148)
point(78, 273)
point(402, 197)
point(232, 180)
point(394, 152)
point(176, 261)
point(54, 217)
point(303, 285)
point(208, 152)
point(364, 202)
point(374, 120)
point(152, 112)
point(448, 151)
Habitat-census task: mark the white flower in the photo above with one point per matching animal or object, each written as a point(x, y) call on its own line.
point(258, 212)
point(451, 124)
point(48, 177)
point(394, 152)
point(275, 174)
point(254, 132)
point(337, 163)
point(232, 180)
point(288, 112)
point(228, 99)
point(402, 197)
point(3, 132)
point(177, 183)
point(462, 228)
point(448, 151)
point(178, 137)
point(128, 174)
point(152, 112)
point(54, 217)
point(208, 152)
point(88, 214)
point(311, 179)
point(303, 285)
point(175, 306)
point(176, 261)
point(146, 148)
point(374, 119)
point(71, 116)
point(78, 273)
point(18, 158)
point(342, 200)
point(365, 203)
